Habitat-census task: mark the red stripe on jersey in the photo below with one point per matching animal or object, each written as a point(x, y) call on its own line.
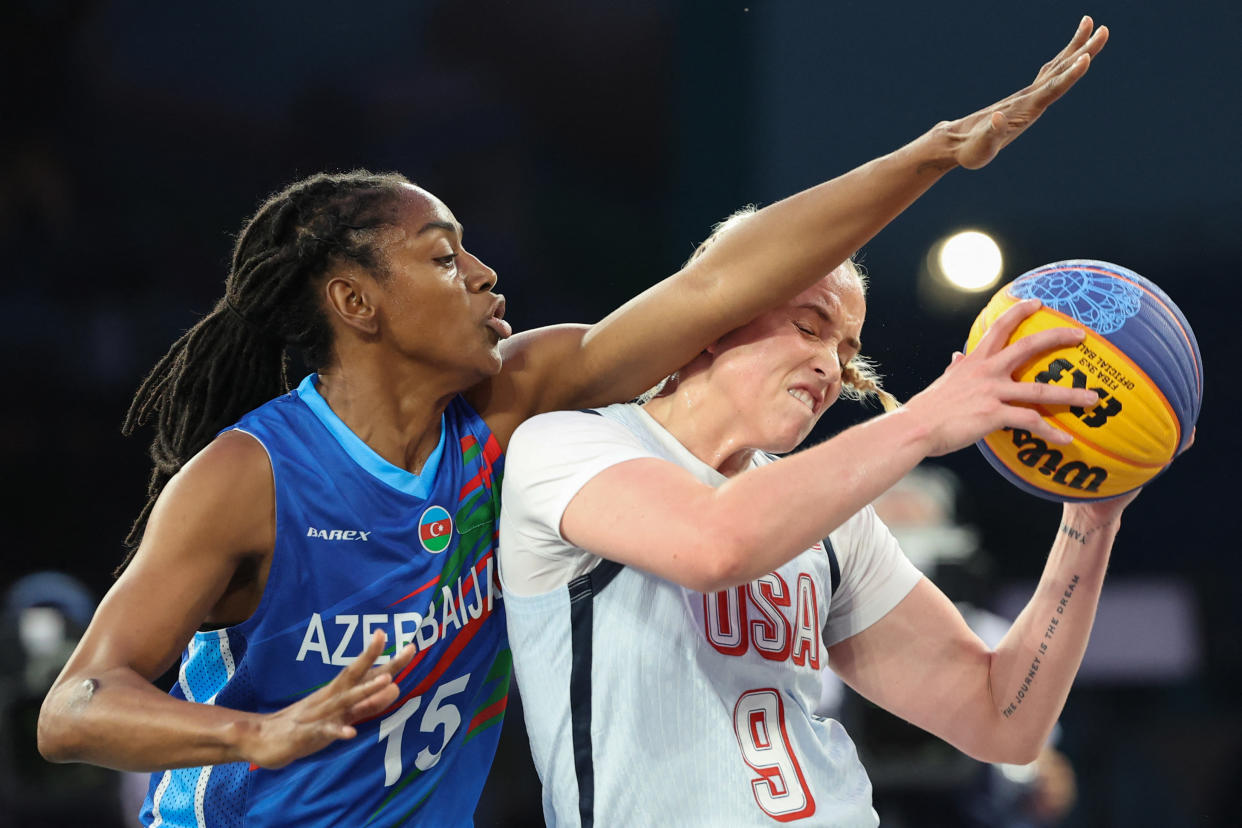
point(489, 711)
point(483, 478)
point(422, 588)
point(491, 450)
point(446, 658)
point(491, 453)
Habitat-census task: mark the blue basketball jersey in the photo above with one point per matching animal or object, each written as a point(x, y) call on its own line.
point(361, 545)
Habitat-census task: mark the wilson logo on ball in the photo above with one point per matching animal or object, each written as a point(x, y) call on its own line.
point(1034, 453)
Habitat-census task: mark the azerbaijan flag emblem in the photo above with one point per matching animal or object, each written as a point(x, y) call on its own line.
point(435, 529)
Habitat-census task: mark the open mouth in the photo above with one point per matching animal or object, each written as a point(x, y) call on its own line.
point(500, 327)
point(496, 320)
point(803, 396)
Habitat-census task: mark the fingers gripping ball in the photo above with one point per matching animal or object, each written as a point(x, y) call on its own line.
point(1140, 355)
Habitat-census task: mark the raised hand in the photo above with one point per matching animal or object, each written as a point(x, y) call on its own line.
point(978, 137)
point(977, 393)
point(328, 714)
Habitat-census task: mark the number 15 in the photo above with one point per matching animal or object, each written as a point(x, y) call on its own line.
point(437, 714)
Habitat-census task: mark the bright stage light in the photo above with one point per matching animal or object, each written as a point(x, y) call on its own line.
point(970, 261)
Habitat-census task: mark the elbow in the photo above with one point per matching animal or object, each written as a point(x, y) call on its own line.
point(1028, 755)
point(1009, 750)
point(1025, 753)
point(1008, 756)
point(56, 735)
point(52, 739)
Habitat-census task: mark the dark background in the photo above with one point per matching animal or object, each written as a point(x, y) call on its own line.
point(587, 146)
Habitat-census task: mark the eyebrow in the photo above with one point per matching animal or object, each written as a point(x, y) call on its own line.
point(449, 227)
point(827, 317)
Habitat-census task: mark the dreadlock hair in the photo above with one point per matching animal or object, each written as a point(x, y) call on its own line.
point(860, 382)
point(235, 358)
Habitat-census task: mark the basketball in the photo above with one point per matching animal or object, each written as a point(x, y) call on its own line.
point(1139, 354)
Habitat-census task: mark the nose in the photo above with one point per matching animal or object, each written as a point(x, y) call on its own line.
point(479, 276)
point(827, 363)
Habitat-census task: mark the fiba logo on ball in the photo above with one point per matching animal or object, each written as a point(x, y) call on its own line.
point(1139, 355)
point(435, 529)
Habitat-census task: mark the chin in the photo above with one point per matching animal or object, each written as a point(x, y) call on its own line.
point(786, 441)
point(495, 361)
point(486, 368)
point(802, 434)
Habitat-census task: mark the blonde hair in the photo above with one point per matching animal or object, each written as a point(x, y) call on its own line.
point(860, 382)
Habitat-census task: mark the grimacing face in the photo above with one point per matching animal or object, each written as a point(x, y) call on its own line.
point(780, 372)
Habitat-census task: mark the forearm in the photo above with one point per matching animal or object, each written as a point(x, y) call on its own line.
point(788, 246)
point(119, 720)
point(766, 259)
point(765, 517)
point(1035, 664)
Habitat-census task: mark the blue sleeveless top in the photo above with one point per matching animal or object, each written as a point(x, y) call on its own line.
point(361, 545)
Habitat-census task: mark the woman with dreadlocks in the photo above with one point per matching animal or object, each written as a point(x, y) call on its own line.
point(322, 558)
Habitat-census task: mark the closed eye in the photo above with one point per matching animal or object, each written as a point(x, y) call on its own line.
point(806, 329)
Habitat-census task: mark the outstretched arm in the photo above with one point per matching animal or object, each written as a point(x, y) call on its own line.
point(922, 662)
point(771, 256)
point(656, 516)
point(104, 709)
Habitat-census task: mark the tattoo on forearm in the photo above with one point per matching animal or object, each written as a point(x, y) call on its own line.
point(1084, 535)
point(1053, 624)
point(1074, 534)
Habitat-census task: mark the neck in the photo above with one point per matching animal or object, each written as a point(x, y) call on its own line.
point(703, 424)
point(395, 411)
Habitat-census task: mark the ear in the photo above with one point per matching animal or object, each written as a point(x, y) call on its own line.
point(351, 301)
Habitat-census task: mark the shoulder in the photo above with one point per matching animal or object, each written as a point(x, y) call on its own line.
point(574, 430)
point(231, 477)
point(234, 455)
point(550, 459)
point(861, 533)
point(213, 514)
point(531, 378)
point(865, 546)
point(566, 437)
point(552, 456)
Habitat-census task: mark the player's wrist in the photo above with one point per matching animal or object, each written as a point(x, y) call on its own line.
point(1084, 523)
point(915, 430)
point(241, 736)
point(934, 152)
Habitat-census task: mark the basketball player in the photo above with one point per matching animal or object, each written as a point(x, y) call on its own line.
point(325, 559)
point(673, 590)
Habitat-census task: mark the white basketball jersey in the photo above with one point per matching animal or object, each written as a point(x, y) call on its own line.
point(650, 704)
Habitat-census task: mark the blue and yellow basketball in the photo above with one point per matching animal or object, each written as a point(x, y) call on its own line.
point(1139, 353)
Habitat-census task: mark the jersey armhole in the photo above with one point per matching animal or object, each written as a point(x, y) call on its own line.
point(834, 568)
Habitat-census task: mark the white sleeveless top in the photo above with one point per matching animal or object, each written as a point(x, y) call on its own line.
point(649, 704)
